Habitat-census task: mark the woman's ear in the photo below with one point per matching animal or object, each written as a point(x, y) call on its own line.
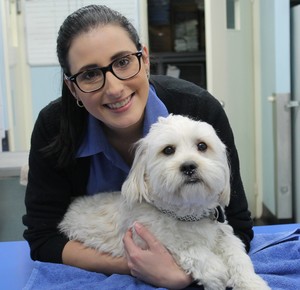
point(146, 61)
point(146, 55)
point(71, 87)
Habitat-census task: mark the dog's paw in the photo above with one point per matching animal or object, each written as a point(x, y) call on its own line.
point(253, 283)
point(213, 286)
point(209, 279)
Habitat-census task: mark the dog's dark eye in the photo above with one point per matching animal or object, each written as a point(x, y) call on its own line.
point(169, 150)
point(202, 146)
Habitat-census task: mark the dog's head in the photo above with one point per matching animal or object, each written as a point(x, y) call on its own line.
point(180, 162)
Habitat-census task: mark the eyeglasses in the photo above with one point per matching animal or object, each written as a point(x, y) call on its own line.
point(93, 79)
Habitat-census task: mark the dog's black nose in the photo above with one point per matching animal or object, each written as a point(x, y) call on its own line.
point(188, 168)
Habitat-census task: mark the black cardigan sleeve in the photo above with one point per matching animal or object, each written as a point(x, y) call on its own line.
point(184, 98)
point(49, 190)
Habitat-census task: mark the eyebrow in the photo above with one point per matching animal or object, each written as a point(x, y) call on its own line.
point(112, 58)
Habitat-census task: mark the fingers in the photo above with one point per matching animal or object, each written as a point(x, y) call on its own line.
point(145, 235)
point(152, 262)
point(147, 240)
point(131, 252)
point(133, 245)
point(128, 242)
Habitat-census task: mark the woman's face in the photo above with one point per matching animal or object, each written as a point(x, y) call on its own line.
point(118, 104)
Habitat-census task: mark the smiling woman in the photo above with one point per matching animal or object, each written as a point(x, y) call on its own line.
point(82, 143)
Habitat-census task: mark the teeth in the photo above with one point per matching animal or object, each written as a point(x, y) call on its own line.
point(119, 104)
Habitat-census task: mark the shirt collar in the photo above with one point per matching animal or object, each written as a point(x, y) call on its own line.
point(95, 140)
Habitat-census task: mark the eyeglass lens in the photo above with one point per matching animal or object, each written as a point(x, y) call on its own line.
point(123, 68)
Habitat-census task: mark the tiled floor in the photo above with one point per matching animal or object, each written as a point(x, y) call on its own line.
point(12, 209)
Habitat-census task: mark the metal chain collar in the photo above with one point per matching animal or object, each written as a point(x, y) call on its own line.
point(216, 214)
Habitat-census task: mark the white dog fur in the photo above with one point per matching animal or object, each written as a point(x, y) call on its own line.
point(180, 173)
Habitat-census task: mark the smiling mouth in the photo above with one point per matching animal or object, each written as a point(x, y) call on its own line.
point(120, 104)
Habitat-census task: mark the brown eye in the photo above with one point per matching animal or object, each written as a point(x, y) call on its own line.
point(123, 62)
point(169, 150)
point(202, 147)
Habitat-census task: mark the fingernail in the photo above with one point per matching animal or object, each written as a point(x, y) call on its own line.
point(137, 225)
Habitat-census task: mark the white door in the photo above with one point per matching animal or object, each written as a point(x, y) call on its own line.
point(248, 68)
point(230, 77)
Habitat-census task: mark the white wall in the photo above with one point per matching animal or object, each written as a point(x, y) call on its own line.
point(3, 115)
point(16, 89)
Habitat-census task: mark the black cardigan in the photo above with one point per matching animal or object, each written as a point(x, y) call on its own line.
point(50, 190)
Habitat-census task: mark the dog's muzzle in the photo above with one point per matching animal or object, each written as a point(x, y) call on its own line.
point(189, 168)
point(189, 171)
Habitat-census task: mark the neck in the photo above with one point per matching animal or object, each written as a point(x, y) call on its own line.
point(123, 139)
point(133, 132)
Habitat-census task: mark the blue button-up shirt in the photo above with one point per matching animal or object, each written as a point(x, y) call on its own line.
point(108, 169)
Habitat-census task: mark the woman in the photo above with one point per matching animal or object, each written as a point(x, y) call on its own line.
point(81, 142)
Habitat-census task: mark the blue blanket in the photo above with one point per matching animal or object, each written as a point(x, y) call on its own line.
point(276, 258)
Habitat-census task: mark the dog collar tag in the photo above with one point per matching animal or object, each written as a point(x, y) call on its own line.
point(219, 214)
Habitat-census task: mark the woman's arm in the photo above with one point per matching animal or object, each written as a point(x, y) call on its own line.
point(77, 255)
point(49, 190)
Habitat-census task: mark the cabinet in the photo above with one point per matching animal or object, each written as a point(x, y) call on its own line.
point(177, 38)
point(191, 65)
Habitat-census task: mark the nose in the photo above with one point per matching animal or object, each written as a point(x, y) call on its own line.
point(113, 86)
point(188, 168)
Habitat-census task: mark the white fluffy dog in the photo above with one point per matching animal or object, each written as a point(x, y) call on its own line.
point(177, 185)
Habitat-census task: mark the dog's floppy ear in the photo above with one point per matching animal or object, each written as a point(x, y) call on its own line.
point(135, 187)
point(224, 197)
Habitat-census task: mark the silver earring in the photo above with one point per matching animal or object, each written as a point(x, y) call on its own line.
point(79, 103)
point(148, 74)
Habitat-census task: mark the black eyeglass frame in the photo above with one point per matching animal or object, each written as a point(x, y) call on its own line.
point(104, 70)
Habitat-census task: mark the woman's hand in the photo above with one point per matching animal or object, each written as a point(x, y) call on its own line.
point(154, 265)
